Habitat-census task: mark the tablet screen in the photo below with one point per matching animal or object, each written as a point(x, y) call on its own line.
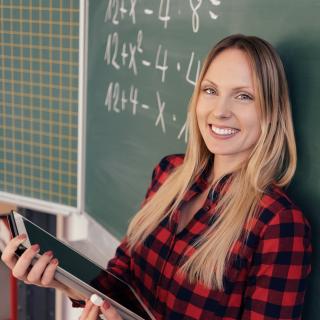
point(85, 270)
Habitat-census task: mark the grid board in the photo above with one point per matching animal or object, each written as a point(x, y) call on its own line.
point(39, 51)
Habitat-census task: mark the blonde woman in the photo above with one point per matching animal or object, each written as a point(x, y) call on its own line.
point(217, 237)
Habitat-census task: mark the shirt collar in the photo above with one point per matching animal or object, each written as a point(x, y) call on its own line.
point(201, 183)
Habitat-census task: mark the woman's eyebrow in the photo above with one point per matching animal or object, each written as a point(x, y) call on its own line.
point(242, 87)
point(245, 88)
point(207, 80)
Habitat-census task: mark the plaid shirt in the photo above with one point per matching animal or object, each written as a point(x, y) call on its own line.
point(266, 280)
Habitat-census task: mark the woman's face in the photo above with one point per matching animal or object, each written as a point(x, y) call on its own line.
point(226, 110)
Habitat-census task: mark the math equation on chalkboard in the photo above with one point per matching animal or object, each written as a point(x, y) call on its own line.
point(151, 53)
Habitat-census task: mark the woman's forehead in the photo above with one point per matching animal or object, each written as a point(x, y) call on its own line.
point(230, 68)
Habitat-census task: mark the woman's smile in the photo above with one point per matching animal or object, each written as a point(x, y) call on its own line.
point(222, 132)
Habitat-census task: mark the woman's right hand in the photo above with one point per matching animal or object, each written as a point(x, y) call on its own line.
point(41, 273)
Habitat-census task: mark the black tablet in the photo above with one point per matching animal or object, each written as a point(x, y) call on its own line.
point(80, 273)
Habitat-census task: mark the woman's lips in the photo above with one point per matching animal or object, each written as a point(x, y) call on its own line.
point(223, 132)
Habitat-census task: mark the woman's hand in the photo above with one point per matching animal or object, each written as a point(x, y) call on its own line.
point(96, 306)
point(41, 273)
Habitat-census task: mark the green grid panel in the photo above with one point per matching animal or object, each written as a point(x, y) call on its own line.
point(39, 99)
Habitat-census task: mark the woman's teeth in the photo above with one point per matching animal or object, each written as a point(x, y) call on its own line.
point(224, 131)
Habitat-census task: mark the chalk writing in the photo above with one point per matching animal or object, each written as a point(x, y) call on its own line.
point(113, 97)
point(188, 75)
point(160, 118)
point(117, 11)
point(162, 67)
point(195, 5)
point(112, 51)
point(138, 58)
point(164, 12)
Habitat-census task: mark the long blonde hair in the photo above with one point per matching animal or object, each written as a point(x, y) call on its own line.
point(272, 161)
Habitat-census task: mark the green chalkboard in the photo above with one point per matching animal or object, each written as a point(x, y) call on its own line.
point(143, 58)
point(39, 66)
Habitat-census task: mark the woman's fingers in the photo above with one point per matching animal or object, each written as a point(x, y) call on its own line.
point(86, 310)
point(109, 311)
point(8, 254)
point(95, 306)
point(90, 311)
point(40, 273)
point(35, 274)
point(43, 271)
point(48, 274)
point(23, 264)
point(94, 313)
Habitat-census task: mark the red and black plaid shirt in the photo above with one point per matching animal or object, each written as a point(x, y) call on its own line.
point(266, 280)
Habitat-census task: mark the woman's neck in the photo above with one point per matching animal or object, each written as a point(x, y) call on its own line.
point(222, 165)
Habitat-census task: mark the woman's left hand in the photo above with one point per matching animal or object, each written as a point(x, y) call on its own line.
point(92, 311)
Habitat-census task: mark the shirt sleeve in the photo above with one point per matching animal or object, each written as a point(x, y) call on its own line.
point(280, 268)
point(119, 265)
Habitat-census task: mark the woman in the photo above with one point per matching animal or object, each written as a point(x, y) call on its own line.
point(217, 237)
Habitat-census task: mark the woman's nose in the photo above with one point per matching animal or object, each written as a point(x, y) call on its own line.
point(221, 108)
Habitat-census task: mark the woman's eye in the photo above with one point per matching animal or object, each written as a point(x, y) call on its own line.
point(209, 91)
point(244, 97)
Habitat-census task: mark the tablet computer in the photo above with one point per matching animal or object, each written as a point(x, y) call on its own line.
point(80, 273)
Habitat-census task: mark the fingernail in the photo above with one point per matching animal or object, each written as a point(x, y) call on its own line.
point(35, 247)
point(106, 305)
point(95, 299)
point(48, 253)
point(22, 236)
point(54, 261)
